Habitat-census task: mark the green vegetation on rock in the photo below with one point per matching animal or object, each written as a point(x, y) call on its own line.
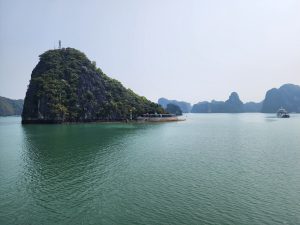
point(66, 86)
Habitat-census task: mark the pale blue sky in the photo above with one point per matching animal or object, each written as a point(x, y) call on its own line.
point(189, 50)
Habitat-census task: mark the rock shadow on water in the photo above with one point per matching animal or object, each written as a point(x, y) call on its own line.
point(65, 163)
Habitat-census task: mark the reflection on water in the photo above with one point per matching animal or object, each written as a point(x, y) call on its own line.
point(70, 149)
point(75, 158)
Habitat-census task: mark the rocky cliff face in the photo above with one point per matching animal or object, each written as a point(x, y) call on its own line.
point(287, 96)
point(66, 86)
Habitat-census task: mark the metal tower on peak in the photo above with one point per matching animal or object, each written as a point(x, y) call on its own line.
point(59, 44)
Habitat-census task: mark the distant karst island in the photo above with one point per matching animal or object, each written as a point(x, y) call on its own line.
point(173, 109)
point(184, 106)
point(232, 105)
point(287, 96)
point(66, 86)
point(10, 107)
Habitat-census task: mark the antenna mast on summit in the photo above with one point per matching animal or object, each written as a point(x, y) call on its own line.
point(59, 44)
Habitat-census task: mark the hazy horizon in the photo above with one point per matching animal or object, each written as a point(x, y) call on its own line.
point(185, 50)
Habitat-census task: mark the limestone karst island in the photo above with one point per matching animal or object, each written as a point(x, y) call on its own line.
point(149, 112)
point(66, 86)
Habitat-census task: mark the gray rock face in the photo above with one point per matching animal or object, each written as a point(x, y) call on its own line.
point(234, 104)
point(287, 96)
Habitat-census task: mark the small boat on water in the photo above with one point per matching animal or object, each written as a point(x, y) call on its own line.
point(282, 113)
point(159, 118)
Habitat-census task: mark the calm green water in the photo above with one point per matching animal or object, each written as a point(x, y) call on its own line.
point(210, 169)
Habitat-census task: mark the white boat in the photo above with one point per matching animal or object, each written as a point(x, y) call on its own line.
point(282, 113)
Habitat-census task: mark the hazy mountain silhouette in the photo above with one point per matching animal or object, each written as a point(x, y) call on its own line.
point(184, 106)
point(287, 96)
